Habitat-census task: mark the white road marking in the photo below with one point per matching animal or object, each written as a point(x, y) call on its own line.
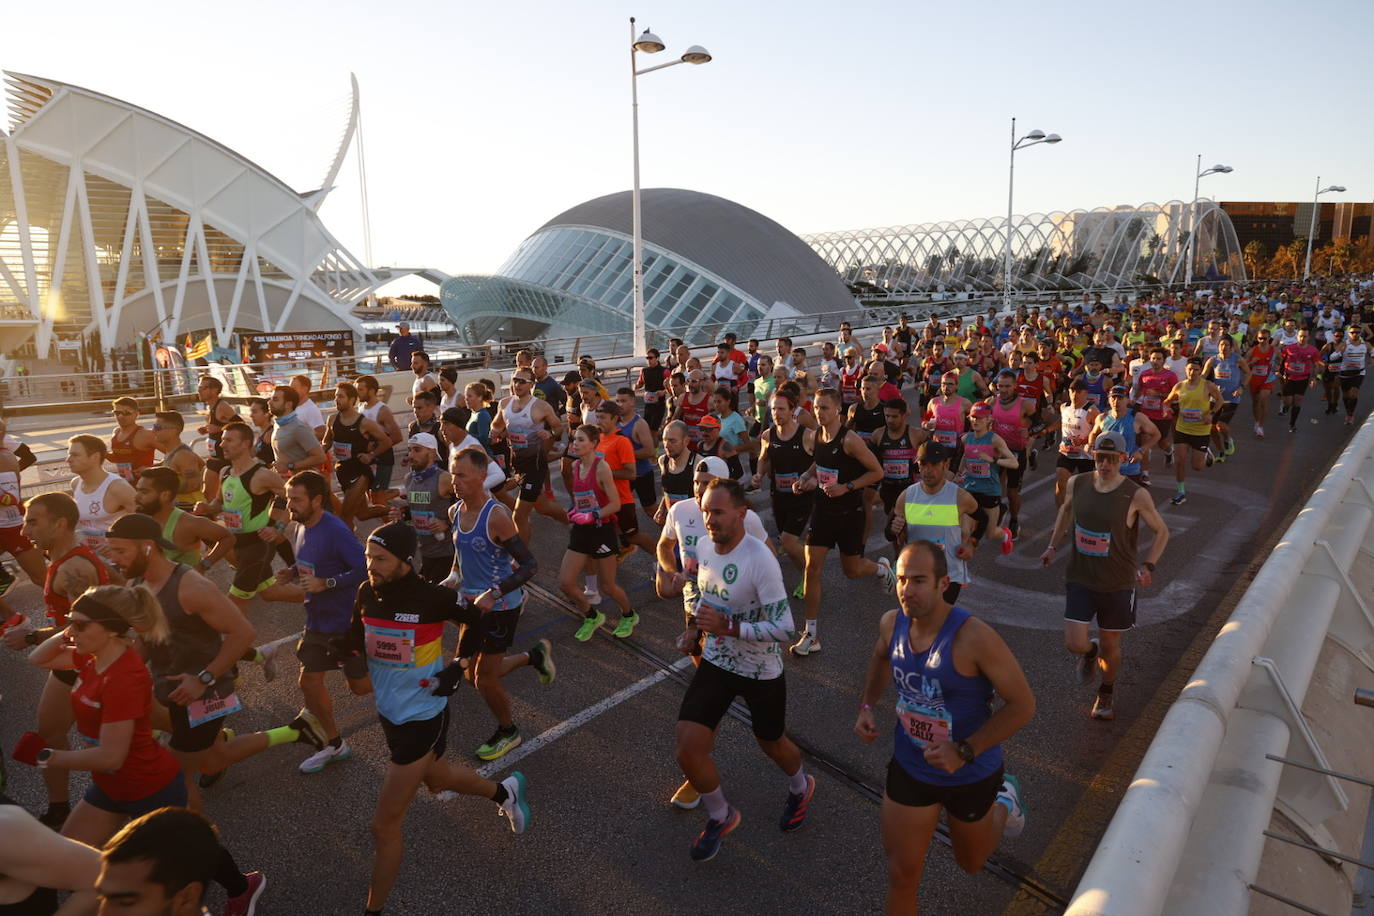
point(575, 722)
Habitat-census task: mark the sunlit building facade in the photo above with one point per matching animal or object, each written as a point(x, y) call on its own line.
point(710, 266)
point(115, 221)
point(1103, 248)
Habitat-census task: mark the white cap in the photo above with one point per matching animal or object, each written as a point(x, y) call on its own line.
point(425, 440)
point(713, 465)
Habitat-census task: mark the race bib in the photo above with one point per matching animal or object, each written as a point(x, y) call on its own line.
point(945, 436)
point(1191, 414)
point(1151, 402)
point(584, 501)
point(1297, 366)
point(391, 648)
point(125, 469)
point(1091, 543)
point(421, 520)
point(826, 476)
point(978, 468)
point(91, 538)
point(1261, 371)
point(651, 397)
point(867, 436)
point(212, 706)
point(1223, 372)
point(784, 481)
point(896, 468)
point(517, 440)
point(922, 724)
point(343, 451)
point(689, 557)
point(305, 567)
point(232, 520)
point(675, 498)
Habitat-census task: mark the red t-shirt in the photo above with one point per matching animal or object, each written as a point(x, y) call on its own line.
point(619, 453)
point(121, 692)
point(1299, 361)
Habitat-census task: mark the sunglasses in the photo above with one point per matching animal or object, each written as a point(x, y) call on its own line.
point(522, 381)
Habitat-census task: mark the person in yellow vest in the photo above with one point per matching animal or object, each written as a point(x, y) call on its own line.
point(1194, 400)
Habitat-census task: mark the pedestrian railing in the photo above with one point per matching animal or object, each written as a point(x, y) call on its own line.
point(1189, 833)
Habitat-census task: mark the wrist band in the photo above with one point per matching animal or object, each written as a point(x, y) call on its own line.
point(864, 707)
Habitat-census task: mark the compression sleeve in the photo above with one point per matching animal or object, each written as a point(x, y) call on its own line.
point(525, 564)
point(25, 455)
point(495, 476)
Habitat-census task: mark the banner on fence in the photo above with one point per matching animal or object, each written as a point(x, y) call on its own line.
point(294, 347)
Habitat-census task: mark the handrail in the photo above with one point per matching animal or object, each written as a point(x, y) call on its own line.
point(1136, 867)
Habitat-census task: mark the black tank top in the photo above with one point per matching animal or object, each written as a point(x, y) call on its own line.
point(867, 421)
point(653, 377)
point(348, 442)
point(892, 454)
point(43, 900)
point(835, 465)
point(262, 448)
point(677, 485)
point(787, 458)
point(193, 643)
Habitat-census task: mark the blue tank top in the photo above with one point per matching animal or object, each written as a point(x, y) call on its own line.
point(642, 465)
point(1098, 388)
point(484, 564)
point(1226, 374)
point(1126, 426)
point(936, 703)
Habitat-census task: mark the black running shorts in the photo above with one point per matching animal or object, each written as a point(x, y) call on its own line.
point(792, 512)
point(1115, 611)
point(713, 689)
point(495, 632)
point(414, 740)
point(844, 529)
point(968, 803)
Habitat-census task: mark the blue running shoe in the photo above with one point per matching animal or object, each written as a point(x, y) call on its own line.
point(705, 846)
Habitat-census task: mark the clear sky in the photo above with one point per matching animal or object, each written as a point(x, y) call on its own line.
point(483, 120)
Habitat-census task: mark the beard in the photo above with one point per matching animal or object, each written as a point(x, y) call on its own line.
point(136, 567)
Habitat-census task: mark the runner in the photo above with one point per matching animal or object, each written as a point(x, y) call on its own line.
point(1075, 424)
point(596, 502)
point(1231, 373)
point(177, 455)
point(50, 522)
point(384, 462)
point(155, 496)
point(218, 413)
point(866, 417)
point(194, 668)
point(1136, 430)
point(695, 404)
point(744, 609)
point(1105, 510)
point(1354, 359)
point(1195, 400)
point(425, 504)
point(530, 425)
point(934, 509)
point(131, 445)
point(36, 863)
point(491, 564)
point(12, 540)
point(947, 744)
point(619, 453)
point(355, 442)
point(675, 470)
point(1013, 415)
point(1150, 390)
point(946, 414)
point(101, 497)
point(427, 421)
point(1297, 368)
point(640, 435)
point(395, 649)
point(984, 450)
point(1262, 359)
point(652, 381)
point(844, 465)
point(294, 445)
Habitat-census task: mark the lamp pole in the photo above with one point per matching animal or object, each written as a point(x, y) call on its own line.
point(1030, 139)
point(1194, 221)
point(1312, 227)
point(649, 43)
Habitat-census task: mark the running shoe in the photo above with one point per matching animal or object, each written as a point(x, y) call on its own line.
point(1349, 420)
point(541, 660)
point(501, 742)
point(1032, 459)
point(1016, 812)
point(886, 576)
point(1144, 478)
point(312, 732)
point(707, 844)
point(1087, 664)
point(246, 904)
point(206, 780)
point(515, 808)
point(1179, 498)
point(1169, 458)
point(589, 626)
point(269, 661)
point(1102, 707)
point(799, 592)
point(626, 626)
point(1259, 431)
point(1014, 526)
point(1283, 410)
point(809, 644)
point(1211, 459)
point(794, 812)
point(325, 756)
point(1230, 448)
point(1292, 428)
point(592, 595)
point(6, 579)
point(685, 797)
point(624, 553)
point(1008, 541)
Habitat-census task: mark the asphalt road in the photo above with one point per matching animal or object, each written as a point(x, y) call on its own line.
point(598, 751)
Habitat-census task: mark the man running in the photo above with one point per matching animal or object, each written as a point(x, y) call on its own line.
point(947, 744)
point(743, 607)
point(936, 509)
point(1013, 415)
point(1298, 369)
point(1105, 510)
point(491, 564)
point(294, 444)
point(395, 650)
point(1231, 373)
point(101, 497)
point(355, 442)
point(384, 461)
point(843, 466)
point(985, 455)
point(168, 426)
point(218, 413)
point(155, 496)
point(530, 425)
point(675, 470)
point(1262, 360)
point(1076, 420)
point(131, 445)
point(1136, 430)
point(1195, 400)
point(1151, 389)
point(1354, 358)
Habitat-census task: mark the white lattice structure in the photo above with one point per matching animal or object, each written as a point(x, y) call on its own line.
point(115, 220)
point(1081, 249)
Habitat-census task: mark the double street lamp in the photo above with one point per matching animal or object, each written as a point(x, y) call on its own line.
point(1192, 234)
point(1312, 227)
point(649, 43)
point(1030, 139)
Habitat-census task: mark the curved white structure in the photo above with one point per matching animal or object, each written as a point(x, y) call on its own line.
point(1081, 249)
point(117, 221)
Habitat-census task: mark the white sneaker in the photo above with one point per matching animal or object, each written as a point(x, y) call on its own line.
point(323, 758)
point(1010, 796)
point(515, 809)
point(807, 645)
point(886, 576)
point(592, 595)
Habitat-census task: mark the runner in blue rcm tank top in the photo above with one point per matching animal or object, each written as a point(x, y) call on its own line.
point(947, 666)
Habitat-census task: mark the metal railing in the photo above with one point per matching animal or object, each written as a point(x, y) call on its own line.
point(1189, 833)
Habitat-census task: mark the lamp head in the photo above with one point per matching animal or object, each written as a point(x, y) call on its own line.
point(1223, 169)
point(696, 54)
point(1337, 188)
point(1036, 135)
point(1053, 138)
point(649, 43)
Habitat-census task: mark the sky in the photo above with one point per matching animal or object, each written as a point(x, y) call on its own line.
point(481, 121)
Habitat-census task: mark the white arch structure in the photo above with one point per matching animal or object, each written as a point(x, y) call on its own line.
point(118, 221)
point(1107, 247)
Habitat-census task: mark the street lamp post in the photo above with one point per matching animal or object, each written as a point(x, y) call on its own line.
point(649, 43)
point(1030, 139)
point(1312, 227)
point(1192, 233)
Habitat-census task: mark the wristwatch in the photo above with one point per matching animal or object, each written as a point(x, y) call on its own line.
point(1148, 565)
point(42, 757)
point(966, 753)
point(205, 677)
point(331, 582)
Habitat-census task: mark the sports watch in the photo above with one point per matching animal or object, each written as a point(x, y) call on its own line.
point(966, 753)
point(205, 677)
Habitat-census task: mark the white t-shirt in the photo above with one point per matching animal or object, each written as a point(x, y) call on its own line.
point(309, 413)
point(746, 584)
point(422, 383)
point(1178, 365)
point(687, 525)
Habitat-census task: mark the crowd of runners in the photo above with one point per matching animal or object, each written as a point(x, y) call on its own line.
point(920, 436)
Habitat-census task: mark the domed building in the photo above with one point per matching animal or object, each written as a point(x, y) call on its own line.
point(710, 266)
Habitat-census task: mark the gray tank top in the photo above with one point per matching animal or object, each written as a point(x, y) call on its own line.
point(424, 501)
point(193, 643)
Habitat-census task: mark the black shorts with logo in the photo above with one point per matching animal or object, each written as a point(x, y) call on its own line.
point(968, 803)
point(495, 632)
point(594, 540)
point(843, 529)
point(713, 689)
point(533, 473)
point(412, 741)
point(792, 512)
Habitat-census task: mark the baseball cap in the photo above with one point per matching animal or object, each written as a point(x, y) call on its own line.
point(403, 324)
point(980, 410)
point(1119, 389)
point(1110, 443)
point(425, 440)
point(572, 378)
point(138, 527)
point(932, 452)
point(709, 422)
point(396, 538)
point(714, 466)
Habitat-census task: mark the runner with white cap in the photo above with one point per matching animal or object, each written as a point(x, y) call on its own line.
point(426, 500)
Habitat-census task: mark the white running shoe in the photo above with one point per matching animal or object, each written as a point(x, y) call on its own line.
point(515, 808)
point(324, 757)
point(592, 595)
point(1010, 796)
point(809, 644)
point(886, 576)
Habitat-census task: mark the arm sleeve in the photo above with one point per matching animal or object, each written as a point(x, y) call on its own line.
point(525, 564)
point(775, 612)
point(495, 476)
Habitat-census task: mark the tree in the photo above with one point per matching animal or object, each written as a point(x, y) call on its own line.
point(1254, 257)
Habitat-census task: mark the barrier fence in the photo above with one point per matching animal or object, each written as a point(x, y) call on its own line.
point(1189, 833)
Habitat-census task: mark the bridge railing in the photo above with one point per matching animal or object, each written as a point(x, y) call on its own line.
point(1189, 833)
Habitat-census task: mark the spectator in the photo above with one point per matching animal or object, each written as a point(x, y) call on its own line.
point(403, 346)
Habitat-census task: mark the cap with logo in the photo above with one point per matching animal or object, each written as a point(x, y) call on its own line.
point(425, 440)
point(713, 465)
point(397, 539)
point(1109, 443)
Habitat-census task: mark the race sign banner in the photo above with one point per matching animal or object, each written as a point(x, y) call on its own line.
point(296, 347)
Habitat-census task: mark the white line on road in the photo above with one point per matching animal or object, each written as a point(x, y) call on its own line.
point(575, 722)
